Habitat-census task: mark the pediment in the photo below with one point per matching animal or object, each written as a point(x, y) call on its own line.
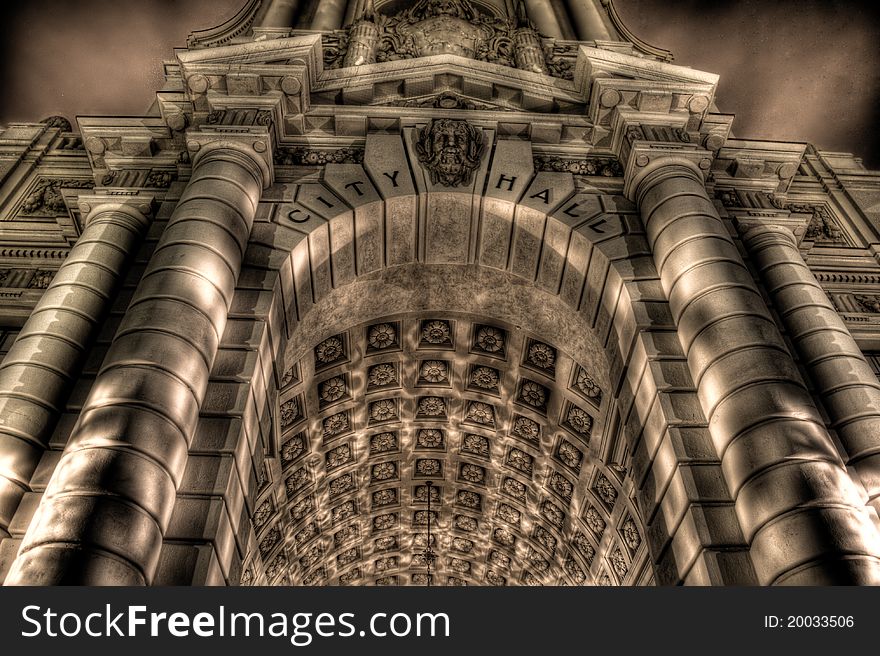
point(479, 85)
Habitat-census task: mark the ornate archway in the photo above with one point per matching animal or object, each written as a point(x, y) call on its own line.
point(505, 379)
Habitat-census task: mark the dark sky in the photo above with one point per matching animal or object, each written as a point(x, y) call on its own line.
point(798, 70)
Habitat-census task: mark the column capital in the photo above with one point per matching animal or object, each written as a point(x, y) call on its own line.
point(137, 204)
point(647, 158)
point(755, 232)
point(253, 142)
point(749, 222)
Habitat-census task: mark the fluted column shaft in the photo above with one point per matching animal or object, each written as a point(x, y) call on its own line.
point(798, 508)
point(108, 504)
point(37, 373)
point(842, 377)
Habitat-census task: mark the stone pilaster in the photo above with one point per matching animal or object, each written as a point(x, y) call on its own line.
point(842, 377)
point(779, 462)
point(105, 511)
point(36, 375)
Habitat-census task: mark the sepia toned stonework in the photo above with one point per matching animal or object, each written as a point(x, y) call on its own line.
point(498, 269)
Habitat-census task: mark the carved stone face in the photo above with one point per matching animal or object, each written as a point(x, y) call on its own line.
point(450, 150)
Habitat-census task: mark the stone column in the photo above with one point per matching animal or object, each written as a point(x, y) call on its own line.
point(108, 504)
point(588, 20)
point(842, 378)
point(281, 13)
point(329, 15)
point(37, 373)
point(542, 14)
point(800, 512)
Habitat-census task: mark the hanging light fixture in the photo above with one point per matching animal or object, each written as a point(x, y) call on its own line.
point(429, 554)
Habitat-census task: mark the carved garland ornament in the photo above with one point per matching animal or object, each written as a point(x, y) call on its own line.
point(868, 303)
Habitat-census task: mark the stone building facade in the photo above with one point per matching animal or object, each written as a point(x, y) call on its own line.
point(503, 247)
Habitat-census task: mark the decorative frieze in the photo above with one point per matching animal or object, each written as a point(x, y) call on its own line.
point(868, 302)
point(607, 167)
point(303, 156)
point(26, 278)
point(750, 199)
point(46, 199)
point(153, 179)
point(822, 228)
point(238, 117)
